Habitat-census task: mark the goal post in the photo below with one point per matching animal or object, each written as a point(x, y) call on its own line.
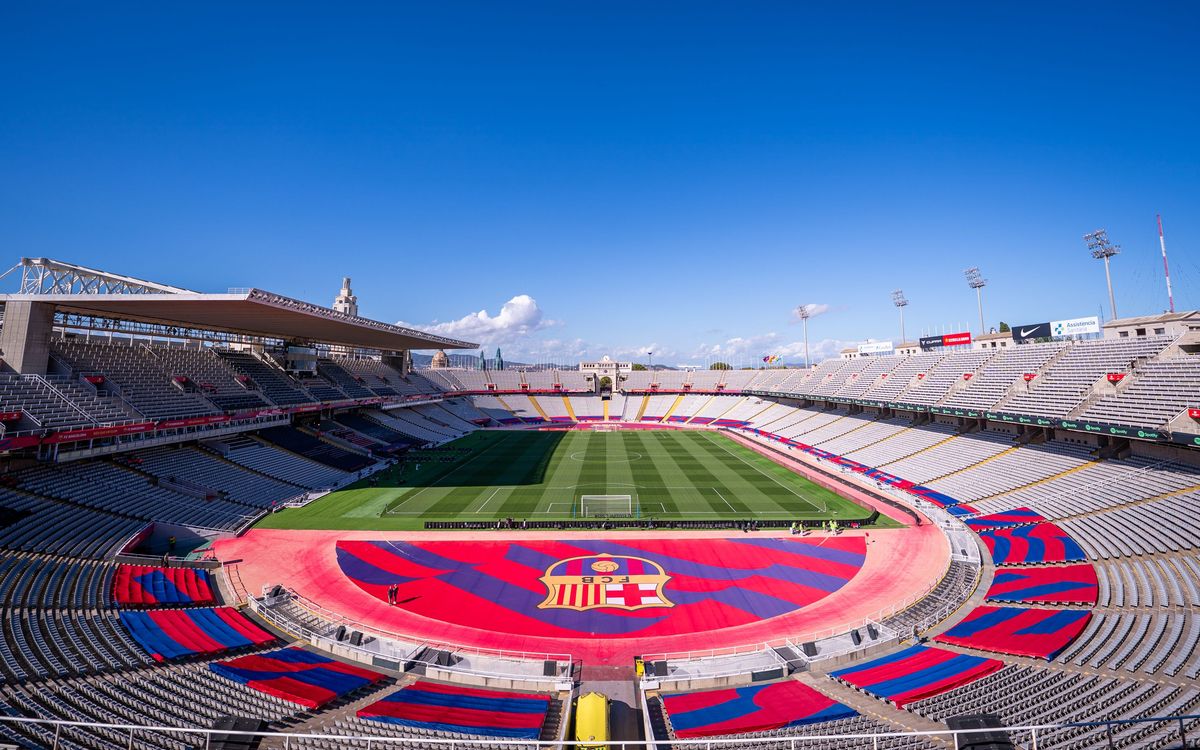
point(609, 506)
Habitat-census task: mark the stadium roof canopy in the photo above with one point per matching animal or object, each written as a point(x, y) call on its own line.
point(252, 312)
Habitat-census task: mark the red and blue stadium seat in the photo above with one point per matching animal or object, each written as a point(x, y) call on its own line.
point(1052, 584)
point(755, 708)
point(296, 675)
point(1019, 631)
point(465, 710)
point(1039, 543)
point(176, 633)
point(1006, 519)
point(144, 585)
point(917, 672)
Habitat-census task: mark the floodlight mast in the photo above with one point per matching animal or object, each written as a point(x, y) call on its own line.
point(1162, 243)
point(805, 314)
point(900, 301)
point(1102, 249)
point(976, 281)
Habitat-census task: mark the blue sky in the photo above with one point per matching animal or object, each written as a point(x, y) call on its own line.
point(625, 176)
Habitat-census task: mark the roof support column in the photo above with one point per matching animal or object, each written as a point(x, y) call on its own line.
point(25, 338)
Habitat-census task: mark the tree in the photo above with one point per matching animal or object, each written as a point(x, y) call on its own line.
point(719, 366)
point(638, 367)
point(1004, 328)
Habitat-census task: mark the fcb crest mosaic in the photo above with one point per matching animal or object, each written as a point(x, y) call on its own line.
point(598, 588)
point(621, 581)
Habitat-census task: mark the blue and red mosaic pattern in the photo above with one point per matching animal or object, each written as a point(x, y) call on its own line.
point(1006, 519)
point(757, 708)
point(916, 672)
point(1039, 543)
point(604, 588)
point(466, 710)
point(1037, 633)
point(1055, 584)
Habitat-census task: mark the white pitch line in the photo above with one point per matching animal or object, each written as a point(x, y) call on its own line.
point(489, 499)
point(714, 489)
point(824, 508)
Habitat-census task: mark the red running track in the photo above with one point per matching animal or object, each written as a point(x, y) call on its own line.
point(896, 565)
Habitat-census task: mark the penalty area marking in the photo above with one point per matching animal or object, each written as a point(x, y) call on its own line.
point(489, 499)
point(714, 489)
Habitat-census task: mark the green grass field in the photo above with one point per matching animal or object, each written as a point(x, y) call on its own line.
point(487, 475)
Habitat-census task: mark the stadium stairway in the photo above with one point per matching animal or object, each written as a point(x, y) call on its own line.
point(571, 410)
point(867, 423)
point(504, 404)
point(701, 408)
point(1036, 482)
point(324, 721)
point(674, 405)
point(926, 449)
point(538, 407)
point(642, 408)
point(606, 403)
point(975, 465)
point(883, 712)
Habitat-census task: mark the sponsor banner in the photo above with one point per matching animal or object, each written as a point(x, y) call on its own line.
point(997, 416)
point(191, 421)
point(97, 433)
point(1031, 331)
point(962, 338)
point(971, 413)
point(1075, 326)
point(1105, 428)
point(876, 347)
point(1194, 414)
point(9, 416)
point(1184, 438)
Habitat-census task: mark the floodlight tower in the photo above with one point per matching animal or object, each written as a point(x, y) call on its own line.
point(805, 314)
point(1162, 243)
point(901, 302)
point(1102, 249)
point(976, 281)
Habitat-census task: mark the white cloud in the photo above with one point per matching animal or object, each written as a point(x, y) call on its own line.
point(518, 318)
point(751, 349)
point(814, 309)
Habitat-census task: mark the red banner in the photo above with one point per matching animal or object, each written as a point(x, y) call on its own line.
point(956, 339)
point(97, 433)
point(94, 379)
point(9, 416)
point(967, 375)
point(167, 424)
point(1194, 414)
point(1029, 376)
point(1115, 377)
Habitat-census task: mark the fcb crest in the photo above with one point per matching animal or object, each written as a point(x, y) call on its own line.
point(605, 581)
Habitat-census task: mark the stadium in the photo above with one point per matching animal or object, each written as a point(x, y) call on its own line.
point(241, 519)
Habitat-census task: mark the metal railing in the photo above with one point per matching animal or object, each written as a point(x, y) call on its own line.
point(1033, 735)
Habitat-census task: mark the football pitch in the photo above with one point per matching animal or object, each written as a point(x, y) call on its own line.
point(488, 475)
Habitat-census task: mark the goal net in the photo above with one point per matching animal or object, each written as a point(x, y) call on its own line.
point(608, 506)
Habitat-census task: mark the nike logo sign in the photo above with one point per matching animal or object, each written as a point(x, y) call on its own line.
point(1026, 331)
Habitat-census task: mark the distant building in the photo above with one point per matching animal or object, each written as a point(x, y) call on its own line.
point(995, 340)
point(439, 361)
point(346, 302)
point(1167, 324)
